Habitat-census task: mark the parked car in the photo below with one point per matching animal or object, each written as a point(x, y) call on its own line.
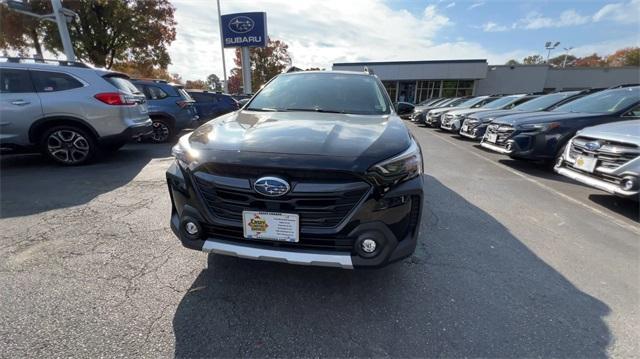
point(606, 157)
point(420, 111)
point(67, 110)
point(434, 116)
point(303, 176)
point(452, 120)
point(543, 135)
point(170, 107)
point(475, 124)
point(404, 109)
point(210, 105)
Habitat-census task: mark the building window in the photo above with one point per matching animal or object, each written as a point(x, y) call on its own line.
point(392, 89)
point(428, 89)
point(457, 88)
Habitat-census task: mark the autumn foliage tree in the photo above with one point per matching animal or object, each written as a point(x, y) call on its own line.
point(132, 33)
point(266, 63)
point(629, 56)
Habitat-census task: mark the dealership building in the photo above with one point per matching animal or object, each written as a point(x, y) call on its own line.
point(416, 81)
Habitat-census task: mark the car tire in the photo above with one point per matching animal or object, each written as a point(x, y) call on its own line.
point(163, 131)
point(69, 145)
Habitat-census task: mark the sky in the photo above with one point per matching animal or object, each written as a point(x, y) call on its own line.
point(321, 32)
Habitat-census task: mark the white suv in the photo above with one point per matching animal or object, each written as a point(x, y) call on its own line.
point(67, 110)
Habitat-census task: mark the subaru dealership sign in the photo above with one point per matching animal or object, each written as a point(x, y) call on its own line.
point(244, 29)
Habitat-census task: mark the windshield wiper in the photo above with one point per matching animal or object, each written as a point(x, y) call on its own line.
point(313, 110)
point(264, 109)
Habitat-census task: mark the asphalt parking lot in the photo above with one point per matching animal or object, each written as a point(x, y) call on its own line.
point(512, 261)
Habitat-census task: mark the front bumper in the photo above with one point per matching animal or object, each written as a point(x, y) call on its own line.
point(496, 148)
point(594, 182)
point(394, 229)
point(451, 125)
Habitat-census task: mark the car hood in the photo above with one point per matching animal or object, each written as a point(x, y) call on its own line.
point(466, 111)
point(623, 131)
point(300, 139)
point(439, 111)
point(541, 117)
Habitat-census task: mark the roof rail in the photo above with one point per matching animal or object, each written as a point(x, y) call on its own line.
point(158, 81)
point(17, 60)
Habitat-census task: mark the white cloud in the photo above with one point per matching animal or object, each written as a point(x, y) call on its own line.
point(475, 5)
point(450, 5)
point(319, 34)
point(535, 20)
point(493, 27)
point(625, 13)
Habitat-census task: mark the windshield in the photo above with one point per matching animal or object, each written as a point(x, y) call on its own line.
point(323, 92)
point(501, 102)
point(544, 102)
point(603, 102)
point(428, 102)
point(457, 102)
point(472, 101)
point(122, 83)
point(184, 94)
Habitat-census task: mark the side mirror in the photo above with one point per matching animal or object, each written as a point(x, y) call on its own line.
point(404, 108)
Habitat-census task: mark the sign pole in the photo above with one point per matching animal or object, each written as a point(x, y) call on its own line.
point(224, 66)
point(246, 70)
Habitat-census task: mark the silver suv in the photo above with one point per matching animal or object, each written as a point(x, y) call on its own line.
point(606, 157)
point(67, 110)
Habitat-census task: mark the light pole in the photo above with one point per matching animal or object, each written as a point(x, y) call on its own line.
point(59, 16)
point(566, 49)
point(224, 66)
point(549, 45)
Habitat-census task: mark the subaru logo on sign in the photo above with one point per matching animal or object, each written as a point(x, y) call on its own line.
point(241, 24)
point(271, 186)
point(593, 146)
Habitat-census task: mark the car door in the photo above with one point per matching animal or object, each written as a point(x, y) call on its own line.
point(20, 106)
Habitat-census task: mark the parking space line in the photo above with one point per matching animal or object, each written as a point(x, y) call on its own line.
point(620, 223)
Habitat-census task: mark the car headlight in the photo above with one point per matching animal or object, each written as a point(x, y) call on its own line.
point(536, 127)
point(186, 156)
point(401, 167)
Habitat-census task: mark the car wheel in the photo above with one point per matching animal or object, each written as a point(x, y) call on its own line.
point(69, 145)
point(162, 131)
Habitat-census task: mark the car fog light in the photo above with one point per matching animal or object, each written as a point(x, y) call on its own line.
point(475, 131)
point(509, 146)
point(629, 183)
point(191, 228)
point(368, 245)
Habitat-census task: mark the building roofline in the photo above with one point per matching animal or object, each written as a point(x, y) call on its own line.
point(423, 62)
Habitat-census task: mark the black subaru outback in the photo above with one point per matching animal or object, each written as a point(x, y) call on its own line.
point(316, 169)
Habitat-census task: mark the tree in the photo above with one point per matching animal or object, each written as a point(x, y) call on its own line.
point(176, 78)
point(20, 32)
point(110, 32)
point(266, 63)
point(558, 61)
point(533, 60)
point(592, 60)
point(629, 56)
point(144, 69)
point(234, 83)
point(213, 83)
point(512, 62)
point(196, 84)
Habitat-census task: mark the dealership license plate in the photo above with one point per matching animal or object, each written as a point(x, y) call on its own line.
point(585, 163)
point(273, 226)
point(492, 137)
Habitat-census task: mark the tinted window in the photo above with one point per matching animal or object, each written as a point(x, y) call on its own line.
point(543, 102)
point(356, 94)
point(15, 81)
point(603, 102)
point(634, 112)
point(203, 97)
point(46, 81)
point(122, 84)
point(154, 93)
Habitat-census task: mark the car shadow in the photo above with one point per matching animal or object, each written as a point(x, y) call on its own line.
point(477, 291)
point(623, 206)
point(32, 184)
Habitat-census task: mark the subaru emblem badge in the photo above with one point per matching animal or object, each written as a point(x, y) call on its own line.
point(593, 146)
point(271, 186)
